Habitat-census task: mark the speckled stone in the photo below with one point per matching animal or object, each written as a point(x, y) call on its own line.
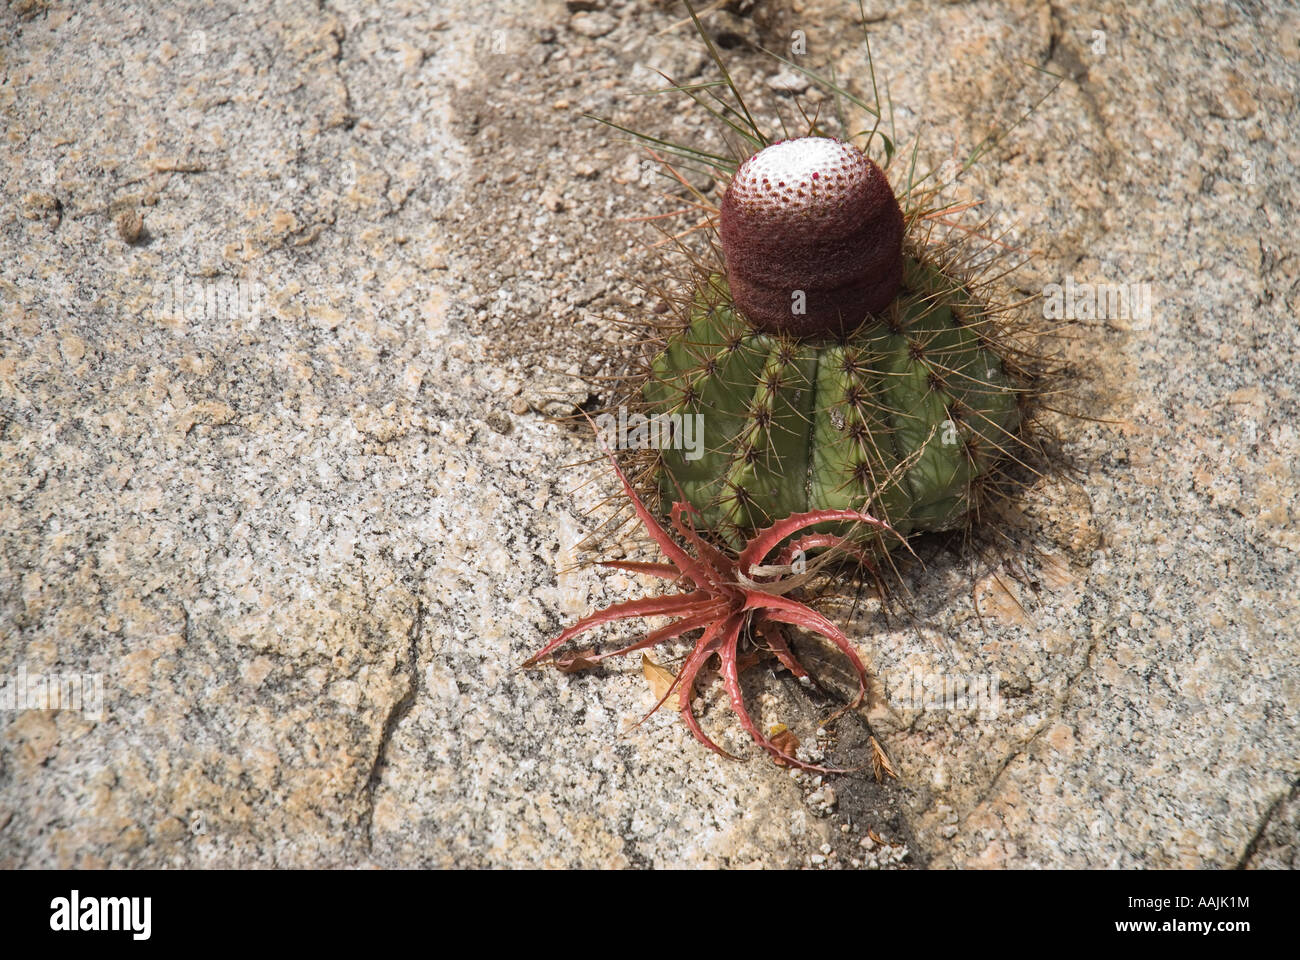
point(254, 473)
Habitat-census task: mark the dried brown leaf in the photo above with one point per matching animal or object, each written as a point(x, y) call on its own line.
point(783, 740)
point(661, 679)
point(880, 762)
point(876, 838)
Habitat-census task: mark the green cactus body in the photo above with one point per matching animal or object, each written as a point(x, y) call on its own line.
point(901, 418)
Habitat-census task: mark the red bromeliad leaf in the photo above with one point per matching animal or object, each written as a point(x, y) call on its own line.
point(765, 541)
point(726, 606)
point(575, 662)
point(664, 571)
point(621, 611)
point(673, 630)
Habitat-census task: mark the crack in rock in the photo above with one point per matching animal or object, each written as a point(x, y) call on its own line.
point(396, 714)
point(1257, 838)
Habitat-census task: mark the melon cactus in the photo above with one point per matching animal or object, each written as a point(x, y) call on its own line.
point(834, 382)
point(829, 369)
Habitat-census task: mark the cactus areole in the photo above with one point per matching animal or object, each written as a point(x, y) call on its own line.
point(813, 238)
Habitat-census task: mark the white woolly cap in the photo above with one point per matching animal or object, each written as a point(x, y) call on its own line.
point(794, 179)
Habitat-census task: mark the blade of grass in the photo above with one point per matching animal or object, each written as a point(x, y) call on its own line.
point(992, 140)
point(677, 149)
point(830, 85)
point(875, 87)
point(722, 68)
point(699, 103)
point(702, 85)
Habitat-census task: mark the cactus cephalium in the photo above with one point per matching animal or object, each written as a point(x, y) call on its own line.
point(829, 370)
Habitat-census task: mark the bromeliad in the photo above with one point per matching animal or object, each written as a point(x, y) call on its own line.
point(729, 598)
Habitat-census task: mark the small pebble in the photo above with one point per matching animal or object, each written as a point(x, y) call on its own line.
point(788, 81)
point(552, 201)
point(592, 24)
point(130, 225)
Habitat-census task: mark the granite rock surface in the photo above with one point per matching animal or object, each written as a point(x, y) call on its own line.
point(290, 299)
